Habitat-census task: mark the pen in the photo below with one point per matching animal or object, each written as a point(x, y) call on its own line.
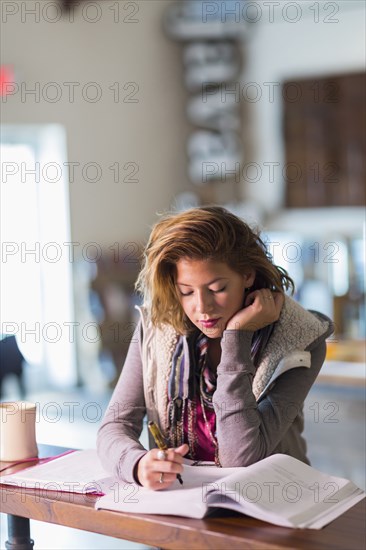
point(159, 440)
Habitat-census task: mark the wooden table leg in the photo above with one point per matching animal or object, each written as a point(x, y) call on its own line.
point(18, 534)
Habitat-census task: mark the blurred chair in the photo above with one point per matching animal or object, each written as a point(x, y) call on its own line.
point(113, 286)
point(11, 362)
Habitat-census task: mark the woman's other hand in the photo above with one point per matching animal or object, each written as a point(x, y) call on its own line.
point(154, 473)
point(262, 307)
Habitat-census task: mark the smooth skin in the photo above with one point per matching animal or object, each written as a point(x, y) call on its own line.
point(211, 290)
point(149, 467)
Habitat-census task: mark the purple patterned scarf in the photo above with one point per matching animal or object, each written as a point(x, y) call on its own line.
point(185, 389)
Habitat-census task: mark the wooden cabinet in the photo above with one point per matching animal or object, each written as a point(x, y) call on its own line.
point(325, 141)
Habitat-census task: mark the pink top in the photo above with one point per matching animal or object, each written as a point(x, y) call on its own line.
point(205, 449)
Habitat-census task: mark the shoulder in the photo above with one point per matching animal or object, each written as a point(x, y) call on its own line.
point(308, 326)
point(164, 336)
point(297, 329)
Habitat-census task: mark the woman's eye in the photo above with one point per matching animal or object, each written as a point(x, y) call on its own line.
point(214, 291)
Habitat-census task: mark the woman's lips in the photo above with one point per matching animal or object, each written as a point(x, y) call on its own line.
point(210, 324)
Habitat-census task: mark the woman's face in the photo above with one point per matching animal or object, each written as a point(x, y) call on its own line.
point(210, 290)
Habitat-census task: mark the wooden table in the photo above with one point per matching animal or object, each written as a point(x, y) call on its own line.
point(224, 530)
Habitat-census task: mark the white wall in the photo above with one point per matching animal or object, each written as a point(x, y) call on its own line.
point(281, 50)
point(150, 133)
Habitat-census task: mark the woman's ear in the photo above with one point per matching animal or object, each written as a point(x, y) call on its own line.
point(249, 278)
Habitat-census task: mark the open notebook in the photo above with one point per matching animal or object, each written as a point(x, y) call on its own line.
point(278, 489)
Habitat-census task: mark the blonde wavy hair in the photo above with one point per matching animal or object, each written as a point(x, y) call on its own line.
point(201, 233)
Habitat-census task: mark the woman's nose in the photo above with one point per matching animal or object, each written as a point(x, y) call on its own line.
point(204, 303)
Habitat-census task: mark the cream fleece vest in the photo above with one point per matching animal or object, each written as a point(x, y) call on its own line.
point(296, 331)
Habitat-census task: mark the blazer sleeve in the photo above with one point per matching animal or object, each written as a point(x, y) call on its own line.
point(247, 430)
point(118, 443)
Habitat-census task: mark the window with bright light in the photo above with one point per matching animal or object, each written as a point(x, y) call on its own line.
point(36, 284)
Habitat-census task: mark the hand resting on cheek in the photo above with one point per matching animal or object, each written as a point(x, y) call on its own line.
point(262, 307)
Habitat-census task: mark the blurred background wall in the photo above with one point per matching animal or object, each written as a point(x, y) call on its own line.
point(132, 114)
point(283, 51)
point(120, 96)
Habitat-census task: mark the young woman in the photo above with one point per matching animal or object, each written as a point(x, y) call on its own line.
point(221, 359)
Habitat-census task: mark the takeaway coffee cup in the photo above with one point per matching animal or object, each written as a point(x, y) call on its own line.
point(17, 430)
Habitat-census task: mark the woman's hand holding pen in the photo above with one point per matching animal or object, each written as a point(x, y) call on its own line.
point(261, 308)
point(155, 473)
